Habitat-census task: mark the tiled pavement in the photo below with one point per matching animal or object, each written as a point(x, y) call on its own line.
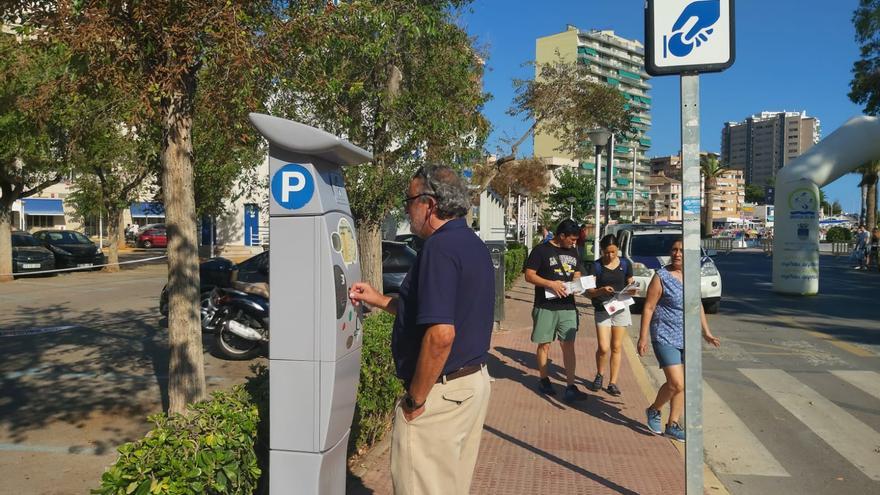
point(533, 444)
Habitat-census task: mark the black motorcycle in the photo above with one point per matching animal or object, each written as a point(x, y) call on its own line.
point(240, 320)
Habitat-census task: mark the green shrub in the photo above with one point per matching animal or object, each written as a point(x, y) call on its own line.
point(209, 450)
point(838, 234)
point(379, 387)
point(514, 258)
point(222, 445)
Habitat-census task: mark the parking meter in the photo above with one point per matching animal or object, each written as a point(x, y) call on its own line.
point(314, 352)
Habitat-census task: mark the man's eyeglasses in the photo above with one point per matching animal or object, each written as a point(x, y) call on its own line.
point(407, 200)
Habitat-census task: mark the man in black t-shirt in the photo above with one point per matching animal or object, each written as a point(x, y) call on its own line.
point(548, 267)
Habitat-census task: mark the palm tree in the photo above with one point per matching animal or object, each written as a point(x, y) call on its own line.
point(870, 173)
point(710, 169)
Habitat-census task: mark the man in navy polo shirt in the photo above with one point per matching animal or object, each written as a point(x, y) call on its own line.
point(440, 340)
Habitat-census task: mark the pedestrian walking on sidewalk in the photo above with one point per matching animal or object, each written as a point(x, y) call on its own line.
point(860, 253)
point(613, 274)
point(663, 324)
point(548, 267)
point(440, 340)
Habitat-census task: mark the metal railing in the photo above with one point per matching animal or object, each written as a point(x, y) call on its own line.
point(720, 244)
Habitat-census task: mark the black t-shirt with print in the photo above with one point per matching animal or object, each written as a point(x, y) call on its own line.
point(616, 278)
point(545, 259)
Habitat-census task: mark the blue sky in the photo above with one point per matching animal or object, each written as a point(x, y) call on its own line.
point(791, 55)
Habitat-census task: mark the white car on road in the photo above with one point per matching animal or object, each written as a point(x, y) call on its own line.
point(647, 248)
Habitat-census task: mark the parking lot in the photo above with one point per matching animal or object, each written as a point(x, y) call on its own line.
point(84, 360)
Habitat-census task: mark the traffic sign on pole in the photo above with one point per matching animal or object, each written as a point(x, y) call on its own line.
point(687, 37)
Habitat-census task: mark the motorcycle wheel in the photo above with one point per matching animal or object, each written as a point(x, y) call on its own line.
point(232, 347)
point(207, 312)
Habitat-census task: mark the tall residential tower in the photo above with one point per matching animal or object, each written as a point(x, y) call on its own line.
point(763, 143)
point(618, 62)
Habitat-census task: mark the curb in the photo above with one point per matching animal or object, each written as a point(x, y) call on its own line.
point(711, 483)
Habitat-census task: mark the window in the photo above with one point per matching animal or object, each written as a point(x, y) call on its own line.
point(40, 221)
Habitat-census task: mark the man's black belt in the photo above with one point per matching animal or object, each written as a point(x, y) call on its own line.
point(465, 371)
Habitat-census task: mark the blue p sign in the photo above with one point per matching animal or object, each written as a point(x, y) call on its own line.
point(292, 186)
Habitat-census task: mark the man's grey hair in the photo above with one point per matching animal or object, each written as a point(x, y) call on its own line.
point(447, 188)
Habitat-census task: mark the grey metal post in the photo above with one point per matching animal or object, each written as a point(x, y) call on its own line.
point(609, 178)
point(693, 371)
point(635, 153)
point(597, 198)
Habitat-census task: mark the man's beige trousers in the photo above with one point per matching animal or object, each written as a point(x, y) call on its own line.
point(436, 452)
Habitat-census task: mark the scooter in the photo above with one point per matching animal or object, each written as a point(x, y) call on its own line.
point(240, 320)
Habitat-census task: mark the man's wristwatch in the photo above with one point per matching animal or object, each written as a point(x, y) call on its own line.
point(410, 403)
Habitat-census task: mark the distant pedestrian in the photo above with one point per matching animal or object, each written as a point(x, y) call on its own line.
point(440, 340)
point(860, 252)
point(582, 242)
point(548, 267)
point(546, 235)
point(663, 324)
point(874, 255)
point(613, 273)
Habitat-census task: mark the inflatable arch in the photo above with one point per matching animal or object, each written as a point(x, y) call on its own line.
point(796, 226)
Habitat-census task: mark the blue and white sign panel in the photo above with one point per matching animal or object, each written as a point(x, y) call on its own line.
point(292, 186)
point(689, 36)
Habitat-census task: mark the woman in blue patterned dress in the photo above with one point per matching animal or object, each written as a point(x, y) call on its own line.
point(663, 320)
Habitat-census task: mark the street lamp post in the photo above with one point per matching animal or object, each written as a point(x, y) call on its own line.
point(599, 137)
point(571, 200)
point(609, 177)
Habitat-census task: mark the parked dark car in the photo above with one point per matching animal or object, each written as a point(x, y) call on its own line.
point(28, 255)
point(218, 272)
point(71, 249)
point(397, 257)
point(153, 237)
point(413, 241)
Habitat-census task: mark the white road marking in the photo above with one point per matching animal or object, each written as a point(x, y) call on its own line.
point(731, 448)
point(867, 381)
point(851, 438)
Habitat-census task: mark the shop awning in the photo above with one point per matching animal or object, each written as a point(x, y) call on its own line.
point(43, 206)
point(144, 210)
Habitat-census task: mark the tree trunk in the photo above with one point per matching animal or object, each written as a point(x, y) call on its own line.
point(186, 383)
point(370, 247)
point(707, 214)
point(120, 231)
point(5, 244)
point(871, 205)
point(113, 216)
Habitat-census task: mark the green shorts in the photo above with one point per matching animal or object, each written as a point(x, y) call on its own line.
point(552, 324)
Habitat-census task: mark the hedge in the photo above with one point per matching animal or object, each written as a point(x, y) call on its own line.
point(379, 388)
point(514, 259)
point(838, 234)
point(221, 445)
point(209, 450)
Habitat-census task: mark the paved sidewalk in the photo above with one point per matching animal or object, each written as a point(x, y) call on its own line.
point(537, 444)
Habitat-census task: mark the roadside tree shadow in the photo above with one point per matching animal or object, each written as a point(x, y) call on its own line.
point(112, 364)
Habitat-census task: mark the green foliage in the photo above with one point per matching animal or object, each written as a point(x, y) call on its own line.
point(865, 85)
point(395, 77)
point(514, 259)
point(209, 450)
point(379, 388)
point(754, 193)
point(838, 234)
point(572, 185)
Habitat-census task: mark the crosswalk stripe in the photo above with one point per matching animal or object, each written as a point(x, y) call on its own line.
point(851, 438)
point(867, 381)
point(731, 447)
